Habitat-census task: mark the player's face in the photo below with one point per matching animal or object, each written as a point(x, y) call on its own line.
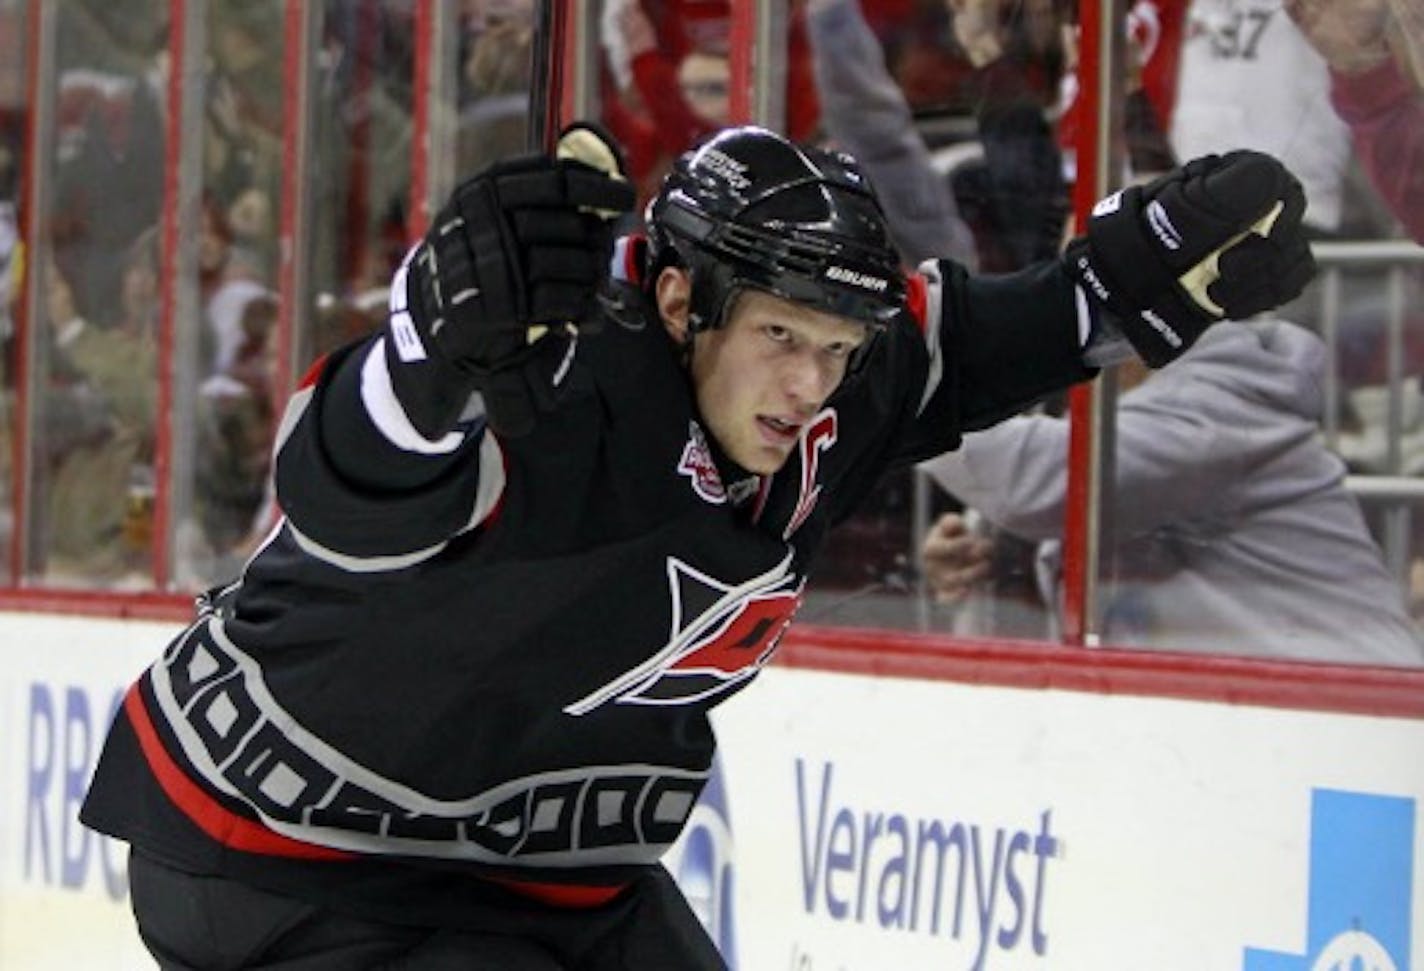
point(766, 372)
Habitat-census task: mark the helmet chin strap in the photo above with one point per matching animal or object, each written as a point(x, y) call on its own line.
point(690, 329)
point(714, 290)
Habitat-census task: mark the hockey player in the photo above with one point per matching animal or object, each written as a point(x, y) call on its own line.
point(455, 709)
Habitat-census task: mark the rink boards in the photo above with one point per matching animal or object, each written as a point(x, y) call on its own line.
point(923, 813)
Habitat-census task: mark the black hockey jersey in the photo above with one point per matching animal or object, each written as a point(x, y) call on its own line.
point(475, 656)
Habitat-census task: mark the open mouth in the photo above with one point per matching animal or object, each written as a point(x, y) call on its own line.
point(779, 429)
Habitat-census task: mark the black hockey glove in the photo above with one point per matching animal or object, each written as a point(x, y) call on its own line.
point(517, 254)
point(1218, 238)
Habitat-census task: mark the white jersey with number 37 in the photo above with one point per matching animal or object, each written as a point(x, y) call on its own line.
point(1249, 79)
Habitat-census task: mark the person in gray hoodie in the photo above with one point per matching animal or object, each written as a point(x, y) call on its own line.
point(1237, 534)
point(1234, 531)
point(865, 113)
point(1006, 175)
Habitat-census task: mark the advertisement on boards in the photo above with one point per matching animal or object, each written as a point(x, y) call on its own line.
point(63, 888)
point(703, 862)
point(1361, 886)
point(858, 823)
point(886, 823)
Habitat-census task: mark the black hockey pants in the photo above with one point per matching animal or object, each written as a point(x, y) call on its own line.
point(199, 922)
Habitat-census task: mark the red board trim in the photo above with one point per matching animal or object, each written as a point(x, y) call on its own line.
point(1222, 679)
point(1225, 679)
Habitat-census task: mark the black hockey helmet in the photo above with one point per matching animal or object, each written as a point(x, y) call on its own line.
point(750, 209)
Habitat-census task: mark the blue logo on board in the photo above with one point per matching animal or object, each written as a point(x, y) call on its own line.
point(704, 869)
point(1361, 887)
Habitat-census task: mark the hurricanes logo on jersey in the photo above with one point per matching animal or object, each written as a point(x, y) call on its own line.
point(697, 465)
point(721, 636)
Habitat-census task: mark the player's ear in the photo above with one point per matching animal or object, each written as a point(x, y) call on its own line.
point(673, 293)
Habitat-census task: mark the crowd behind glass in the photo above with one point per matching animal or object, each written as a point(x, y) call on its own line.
point(989, 93)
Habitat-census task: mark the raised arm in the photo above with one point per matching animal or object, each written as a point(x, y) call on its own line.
point(392, 444)
point(1218, 238)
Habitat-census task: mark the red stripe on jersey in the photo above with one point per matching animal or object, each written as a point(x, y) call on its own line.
point(763, 491)
point(313, 373)
point(630, 256)
point(562, 894)
point(632, 263)
point(226, 827)
point(917, 297)
point(491, 517)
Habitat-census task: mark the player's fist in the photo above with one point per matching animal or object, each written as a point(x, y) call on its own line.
point(1218, 238)
point(525, 242)
point(518, 252)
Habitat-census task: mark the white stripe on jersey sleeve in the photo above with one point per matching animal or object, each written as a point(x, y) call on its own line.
point(296, 407)
point(487, 497)
point(618, 260)
point(1085, 316)
point(934, 307)
point(492, 480)
point(360, 564)
point(384, 408)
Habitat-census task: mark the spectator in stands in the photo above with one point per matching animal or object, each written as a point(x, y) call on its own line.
point(100, 403)
point(704, 78)
point(1233, 529)
point(964, 52)
point(1375, 88)
point(1375, 53)
point(1151, 66)
point(243, 124)
point(108, 181)
point(140, 296)
point(227, 285)
point(232, 408)
point(866, 113)
point(1013, 196)
point(235, 429)
point(494, 97)
point(948, 549)
point(1249, 79)
point(646, 43)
